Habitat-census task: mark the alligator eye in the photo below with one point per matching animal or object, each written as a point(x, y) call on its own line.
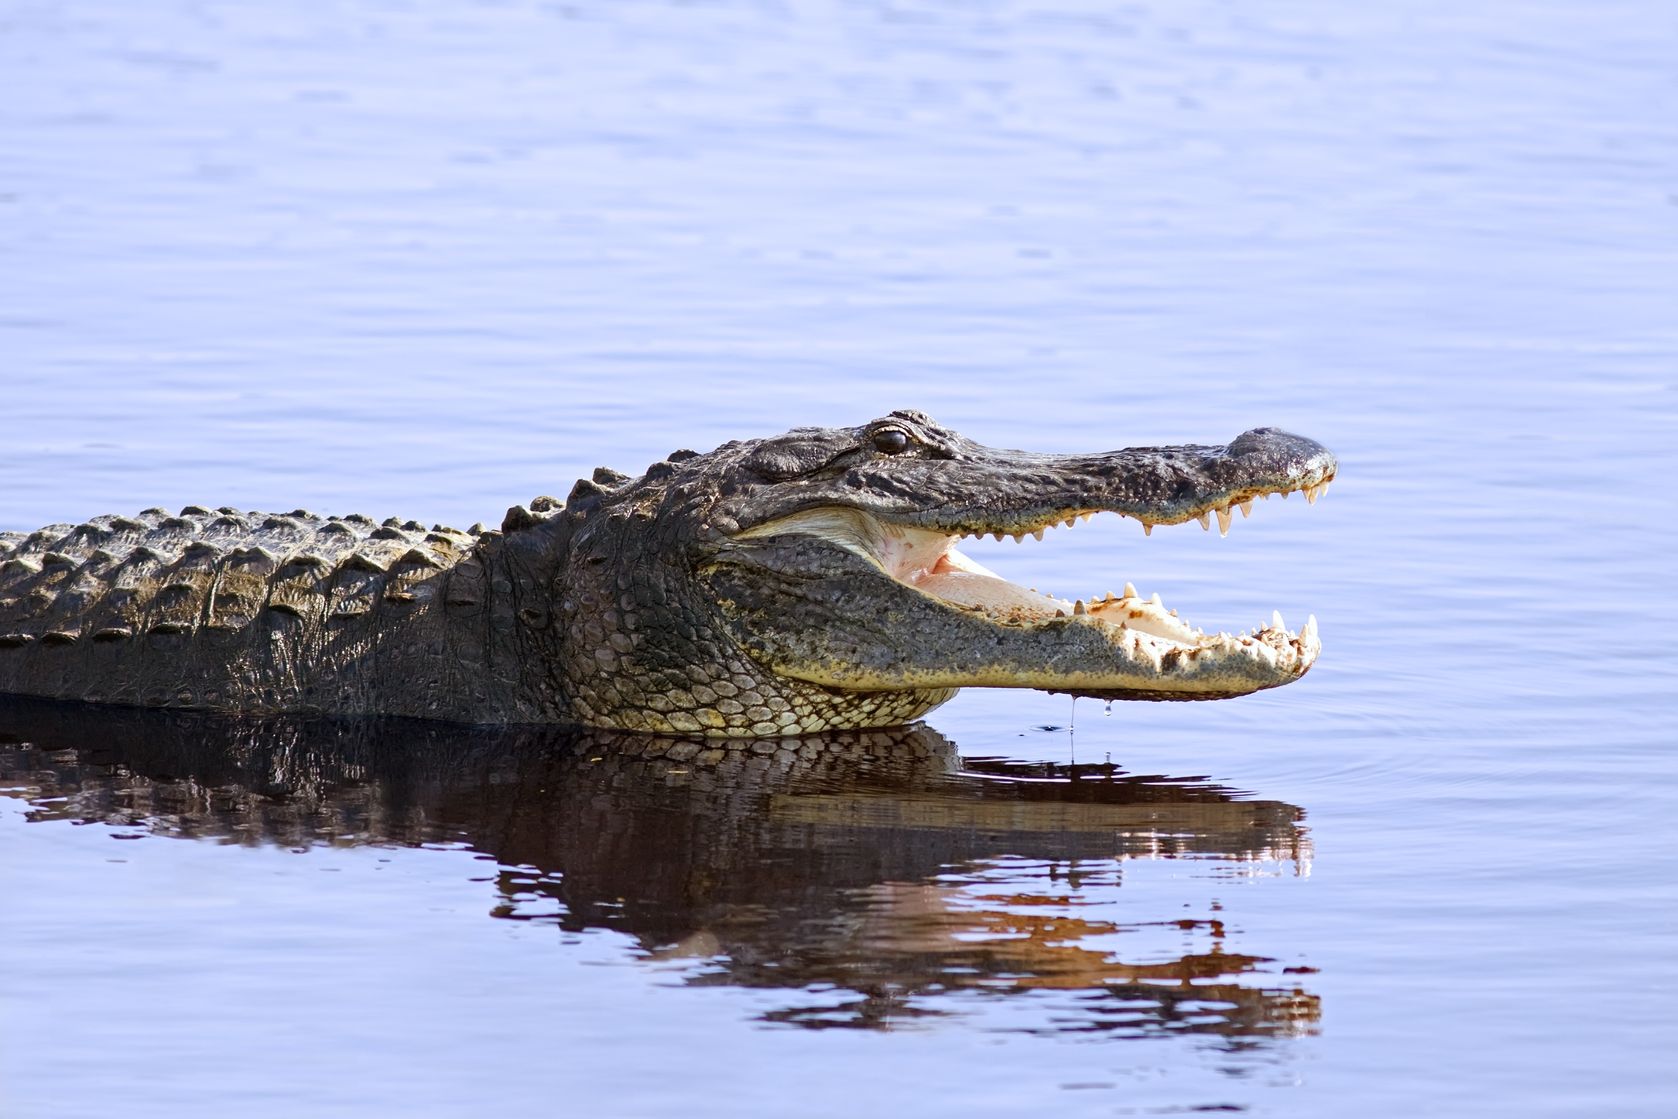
point(891, 441)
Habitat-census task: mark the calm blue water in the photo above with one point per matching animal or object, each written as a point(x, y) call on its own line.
point(432, 259)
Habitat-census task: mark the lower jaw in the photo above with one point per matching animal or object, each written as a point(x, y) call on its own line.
point(1156, 655)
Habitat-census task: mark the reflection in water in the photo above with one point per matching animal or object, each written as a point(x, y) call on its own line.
point(877, 874)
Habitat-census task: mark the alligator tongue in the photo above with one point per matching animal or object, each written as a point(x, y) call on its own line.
point(957, 579)
point(988, 593)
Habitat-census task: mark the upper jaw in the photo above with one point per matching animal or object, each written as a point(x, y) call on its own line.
point(1014, 493)
point(1152, 485)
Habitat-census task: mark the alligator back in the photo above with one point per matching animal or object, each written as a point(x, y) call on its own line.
point(228, 609)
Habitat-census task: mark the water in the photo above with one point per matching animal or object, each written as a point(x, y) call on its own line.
point(431, 260)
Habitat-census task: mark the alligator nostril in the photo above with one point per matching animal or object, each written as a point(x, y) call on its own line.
point(1273, 440)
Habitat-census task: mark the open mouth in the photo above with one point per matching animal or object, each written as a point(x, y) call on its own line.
point(1142, 631)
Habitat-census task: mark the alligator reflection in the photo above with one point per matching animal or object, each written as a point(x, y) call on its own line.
point(878, 874)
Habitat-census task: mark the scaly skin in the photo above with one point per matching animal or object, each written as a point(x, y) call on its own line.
point(797, 584)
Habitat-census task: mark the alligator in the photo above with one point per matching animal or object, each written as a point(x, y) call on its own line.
point(802, 583)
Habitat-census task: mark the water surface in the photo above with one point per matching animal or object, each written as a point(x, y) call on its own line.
point(433, 259)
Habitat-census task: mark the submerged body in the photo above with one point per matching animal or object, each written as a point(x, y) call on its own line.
point(796, 584)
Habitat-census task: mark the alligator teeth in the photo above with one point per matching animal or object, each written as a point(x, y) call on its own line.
point(1276, 622)
point(1205, 521)
point(1155, 600)
point(1078, 607)
point(1147, 529)
point(1223, 521)
point(1038, 535)
point(1129, 590)
point(1311, 494)
point(1246, 507)
point(1085, 517)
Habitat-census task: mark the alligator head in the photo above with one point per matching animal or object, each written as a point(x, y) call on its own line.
point(813, 581)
